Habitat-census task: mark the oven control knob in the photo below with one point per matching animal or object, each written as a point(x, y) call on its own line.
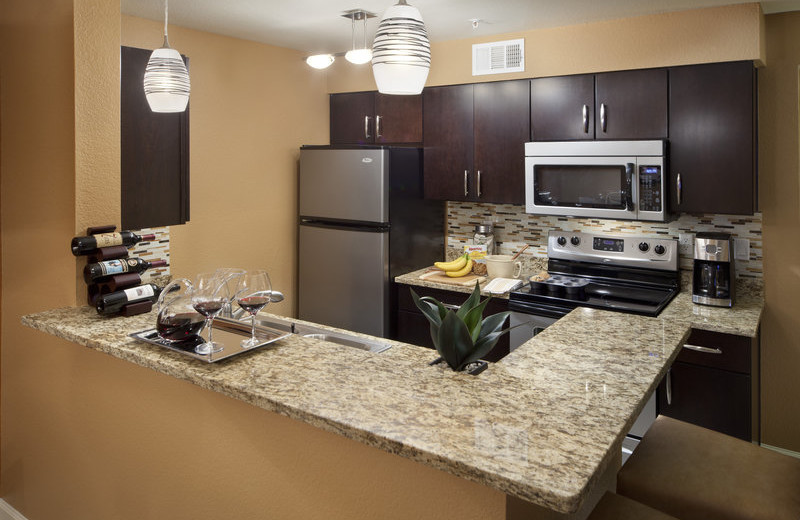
point(643, 247)
point(575, 241)
point(562, 241)
point(659, 249)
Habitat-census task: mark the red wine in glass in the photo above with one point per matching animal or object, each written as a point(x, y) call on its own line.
point(253, 304)
point(209, 308)
point(179, 327)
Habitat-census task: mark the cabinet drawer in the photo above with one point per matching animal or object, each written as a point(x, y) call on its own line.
point(726, 351)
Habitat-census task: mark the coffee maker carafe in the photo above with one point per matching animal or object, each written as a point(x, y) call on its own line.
point(714, 277)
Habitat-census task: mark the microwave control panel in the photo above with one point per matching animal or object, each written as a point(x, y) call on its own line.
point(650, 188)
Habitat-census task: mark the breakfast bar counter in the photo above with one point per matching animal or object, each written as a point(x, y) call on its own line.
point(541, 425)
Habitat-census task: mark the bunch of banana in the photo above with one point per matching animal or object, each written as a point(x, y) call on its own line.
point(462, 266)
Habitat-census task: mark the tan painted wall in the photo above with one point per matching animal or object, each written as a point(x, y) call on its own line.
point(87, 436)
point(697, 36)
point(252, 106)
point(780, 202)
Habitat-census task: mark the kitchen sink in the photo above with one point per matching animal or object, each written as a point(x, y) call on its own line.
point(340, 338)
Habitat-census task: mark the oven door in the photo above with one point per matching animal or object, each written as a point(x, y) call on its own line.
point(602, 187)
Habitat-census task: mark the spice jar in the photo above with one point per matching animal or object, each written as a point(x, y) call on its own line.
point(484, 235)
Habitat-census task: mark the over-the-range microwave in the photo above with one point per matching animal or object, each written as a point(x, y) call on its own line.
point(601, 179)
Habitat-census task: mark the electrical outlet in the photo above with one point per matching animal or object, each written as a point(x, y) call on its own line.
point(686, 244)
point(741, 248)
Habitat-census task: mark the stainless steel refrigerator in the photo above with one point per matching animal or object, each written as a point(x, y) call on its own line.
point(362, 221)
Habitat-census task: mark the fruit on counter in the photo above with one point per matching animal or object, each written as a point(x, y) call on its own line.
point(455, 265)
point(462, 272)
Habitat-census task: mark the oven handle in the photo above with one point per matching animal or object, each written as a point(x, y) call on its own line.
point(629, 167)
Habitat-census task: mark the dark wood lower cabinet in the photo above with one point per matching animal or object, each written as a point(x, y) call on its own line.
point(716, 385)
point(414, 328)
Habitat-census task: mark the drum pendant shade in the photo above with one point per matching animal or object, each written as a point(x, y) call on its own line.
point(166, 80)
point(401, 53)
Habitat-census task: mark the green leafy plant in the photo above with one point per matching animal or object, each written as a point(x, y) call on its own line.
point(462, 336)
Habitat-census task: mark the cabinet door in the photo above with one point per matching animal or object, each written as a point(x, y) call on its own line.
point(398, 119)
point(502, 125)
point(154, 162)
point(631, 104)
point(711, 398)
point(562, 108)
point(447, 122)
point(712, 138)
point(352, 118)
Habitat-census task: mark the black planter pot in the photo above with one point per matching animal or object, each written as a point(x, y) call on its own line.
point(474, 368)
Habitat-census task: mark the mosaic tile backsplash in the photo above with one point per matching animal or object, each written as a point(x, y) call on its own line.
point(514, 228)
point(157, 249)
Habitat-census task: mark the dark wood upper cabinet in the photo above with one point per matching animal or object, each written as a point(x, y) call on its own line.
point(154, 153)
point(374, 118)
point(631, 104)
point(474, 139)
point(713, 138)
point(448, 137)
point(562, 108)
point(501, 126)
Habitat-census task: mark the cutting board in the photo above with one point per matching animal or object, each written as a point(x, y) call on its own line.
point(438, 276)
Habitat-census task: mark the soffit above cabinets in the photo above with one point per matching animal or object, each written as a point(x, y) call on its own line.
point(317, 25)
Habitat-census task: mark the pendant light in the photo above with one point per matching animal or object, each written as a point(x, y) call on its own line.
point(362, 55)
point(401, 53)
point(166, 80)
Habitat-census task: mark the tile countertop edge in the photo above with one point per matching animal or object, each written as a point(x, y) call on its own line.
point(196, 372)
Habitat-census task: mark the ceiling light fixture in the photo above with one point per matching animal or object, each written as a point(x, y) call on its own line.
point(364, 54)
point(166, 80)
point(320, 61)
point(401, 52)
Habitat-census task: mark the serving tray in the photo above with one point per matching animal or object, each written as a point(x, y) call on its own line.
point(228, 333)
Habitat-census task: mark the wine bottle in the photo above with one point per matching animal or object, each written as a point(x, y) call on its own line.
point(101, 270)
point(113, 302)
point(87, 244)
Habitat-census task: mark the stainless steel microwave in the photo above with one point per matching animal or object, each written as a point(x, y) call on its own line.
point(600, 179)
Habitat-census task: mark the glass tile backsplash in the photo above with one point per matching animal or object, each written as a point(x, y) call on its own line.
point(513, 228)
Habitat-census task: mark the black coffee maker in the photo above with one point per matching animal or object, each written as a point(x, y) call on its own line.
point(714, 277)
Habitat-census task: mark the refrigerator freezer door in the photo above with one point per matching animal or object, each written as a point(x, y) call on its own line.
point(344, 278)
point(344, 184)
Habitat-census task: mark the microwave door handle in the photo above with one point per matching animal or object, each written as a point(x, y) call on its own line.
point(629, 186)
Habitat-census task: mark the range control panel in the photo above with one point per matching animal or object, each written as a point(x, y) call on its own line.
point(614, 249)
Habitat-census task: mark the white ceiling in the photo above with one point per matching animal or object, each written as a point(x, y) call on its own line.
point(315, 26)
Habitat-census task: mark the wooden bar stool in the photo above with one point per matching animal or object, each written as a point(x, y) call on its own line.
point(694, 473)
point(616, 507)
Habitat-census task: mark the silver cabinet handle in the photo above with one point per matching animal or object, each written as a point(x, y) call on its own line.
point(603, 122)
point(466, 185)
point(669, 386)
point(705, 350)
point(479, 184)
point(585, 119)
point(366, 127)
point(378, 127)
point(679, 188)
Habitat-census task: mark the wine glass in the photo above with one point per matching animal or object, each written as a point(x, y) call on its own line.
point(231, 277)
point(254, 293)
point(209, 296)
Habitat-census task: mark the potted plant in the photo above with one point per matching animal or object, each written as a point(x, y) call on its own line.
point(462, 336)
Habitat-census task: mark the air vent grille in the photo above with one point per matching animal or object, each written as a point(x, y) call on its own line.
point(498, 57)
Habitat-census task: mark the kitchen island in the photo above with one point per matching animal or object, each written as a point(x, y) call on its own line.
point(542, 426)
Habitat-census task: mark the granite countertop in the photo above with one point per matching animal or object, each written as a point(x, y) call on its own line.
point(742, 319)
point(542, 424)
